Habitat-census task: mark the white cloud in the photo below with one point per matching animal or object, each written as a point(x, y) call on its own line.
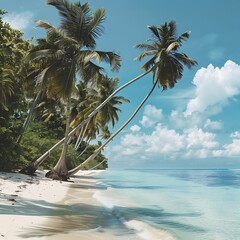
point(132, 139)
point(213, 125)
point(163, 142)
point(19, 21)
point(147, 121)
point(151, 116)
point(197, 138)
point(214, 87)
point(229, 150)
point(178, 120)
point(236, 134)
point(135, 128)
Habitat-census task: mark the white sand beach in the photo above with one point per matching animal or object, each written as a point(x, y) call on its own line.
point(26, 201)
point(37, 207)
point(33, 207)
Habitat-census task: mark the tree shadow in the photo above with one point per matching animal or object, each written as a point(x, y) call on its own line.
point(27, 207)
point(86, 217)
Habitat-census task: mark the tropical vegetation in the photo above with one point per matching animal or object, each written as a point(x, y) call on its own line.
point(64, 88)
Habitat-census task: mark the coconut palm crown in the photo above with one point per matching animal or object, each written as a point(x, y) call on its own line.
point(166, 62)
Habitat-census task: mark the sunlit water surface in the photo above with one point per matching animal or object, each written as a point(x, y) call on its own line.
point(187, 204)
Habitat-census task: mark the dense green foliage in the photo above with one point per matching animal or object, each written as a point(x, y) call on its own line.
point(16, 96)
point(41, 136)
point(67, 55)
point(66, 87)
point(12, 103)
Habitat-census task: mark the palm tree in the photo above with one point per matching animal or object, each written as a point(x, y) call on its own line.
point(6, 86)
point(72, 57)
point(93, 96)
point(32, 168)
point(166, 64)
point(98, 150)
point(109, 111)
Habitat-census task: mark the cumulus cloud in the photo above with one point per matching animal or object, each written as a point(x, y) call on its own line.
point(151, 116)
point(135, 128)
point(165, 142)
point(178, 120)
point(232, 149)
point(197, 138)
point(214, 87)
point(19, 21)
point(229, 150)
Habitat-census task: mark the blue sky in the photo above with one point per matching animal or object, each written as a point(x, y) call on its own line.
point(194, 125)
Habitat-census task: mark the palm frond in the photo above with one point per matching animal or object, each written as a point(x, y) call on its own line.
point(172, 29)
point(41, 78)
point(155, 32)
point(75, 20)
point(43, 24)
point(150, 63)
point(62, 82)
point(95, 26)
point(184, 36)
point(145, 54)
point(45, 53)
point(109, 57)
point(146, 47)
point(172, 46)
point(90, 71)
point(182, 57)
point(55, 35)
point(121, 99)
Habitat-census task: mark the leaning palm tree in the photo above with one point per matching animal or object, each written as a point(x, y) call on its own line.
point(166, 64)
point(99, 149)
point(73, 57)
point(164, 47)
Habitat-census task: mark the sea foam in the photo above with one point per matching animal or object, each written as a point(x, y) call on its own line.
point(145, 231)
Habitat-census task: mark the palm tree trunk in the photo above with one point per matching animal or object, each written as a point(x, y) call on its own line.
point(60, 168)
point(81, 136)
point(97, 151)
point(86, 148)
point(41, 159)
point(98, 164)
point(29, 116)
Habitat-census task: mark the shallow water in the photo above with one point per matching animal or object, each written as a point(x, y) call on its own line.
point(187, 204)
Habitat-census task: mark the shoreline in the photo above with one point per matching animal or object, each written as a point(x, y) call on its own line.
point(38, 207)
point(34, 207)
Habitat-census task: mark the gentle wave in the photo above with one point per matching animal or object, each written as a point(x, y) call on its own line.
point(148, 232)
point(142, 229)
